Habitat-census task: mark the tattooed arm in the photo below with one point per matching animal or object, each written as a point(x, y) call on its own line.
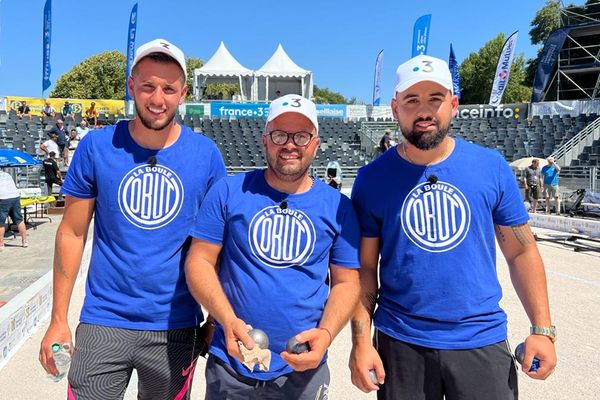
point(364, 356)
point(529, 280)
point(70, 241)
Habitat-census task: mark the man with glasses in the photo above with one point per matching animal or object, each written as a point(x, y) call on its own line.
point(264, 244)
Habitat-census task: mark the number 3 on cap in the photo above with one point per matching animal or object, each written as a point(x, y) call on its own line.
point(428, 67)
point(296, 102)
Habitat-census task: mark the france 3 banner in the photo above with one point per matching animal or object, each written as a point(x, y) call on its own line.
point(548, 59)
point(36, 104)
point(377, 79)
point(46, 42)
point(421, 35)
point(130, 47)
point(503, 69)
point(237, 110)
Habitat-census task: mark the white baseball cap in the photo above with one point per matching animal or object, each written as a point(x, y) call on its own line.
point(296, 104)
point(550, 158)
point(161, 46)
point(423, 68)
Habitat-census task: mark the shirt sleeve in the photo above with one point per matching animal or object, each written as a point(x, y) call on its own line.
point(369, 226)
point(217, 168)
point(80, 181)
point(210, 220)
point(510, 209)
point(344, 252)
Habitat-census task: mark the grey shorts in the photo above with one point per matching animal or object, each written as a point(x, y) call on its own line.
point(420, 373)
point(12, 208)
point(105, 357)
point(224, 383)
point(550, 190)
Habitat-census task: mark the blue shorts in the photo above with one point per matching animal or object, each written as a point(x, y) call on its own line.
point(12, 208)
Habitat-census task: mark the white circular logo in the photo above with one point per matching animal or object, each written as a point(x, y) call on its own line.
point(281, 238)
point(436, 216)
point(150, 197)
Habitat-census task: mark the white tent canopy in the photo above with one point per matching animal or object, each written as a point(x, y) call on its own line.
point(223, 68)
point(281, 74)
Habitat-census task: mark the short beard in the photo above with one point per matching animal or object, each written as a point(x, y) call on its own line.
point(149, 125)
point(287, 173)
point(425, 141)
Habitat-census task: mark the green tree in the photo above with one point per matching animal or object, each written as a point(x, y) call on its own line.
point(101, 76)
point(327, 96)
point(191, 64)
point(221, 90)
point(477, 75)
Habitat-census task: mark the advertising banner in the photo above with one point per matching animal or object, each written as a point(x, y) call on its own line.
point(509, 111)
point(236, 110)
point(453, 65)
point(548, 61)
point(46, 42)
point(503, 69)
point(331, 110)
point(355, 112)
point(130, 47)
point(36, 104)
point(421, 35)
point(377, 79)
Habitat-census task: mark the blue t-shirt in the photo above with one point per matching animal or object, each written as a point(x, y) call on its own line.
point(438, 281)
point(550, 175)
point(274, 261)
point(143, 216)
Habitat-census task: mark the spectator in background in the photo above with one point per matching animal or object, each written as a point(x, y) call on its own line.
point(52, 172)
point(67, 110)
point(82, 130)
point(48, 110)
point(91, 115)
point(533, 181)
point(72, 140)
point(23, 110)
point(50, 145)
point(59, 130)
point(10, 205)
point(550, 174)
point(385, 142)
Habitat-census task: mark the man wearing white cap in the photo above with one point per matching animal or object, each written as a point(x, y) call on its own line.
point(550, 173)
point(440, 332)
point(144, 181)
point(264, 244)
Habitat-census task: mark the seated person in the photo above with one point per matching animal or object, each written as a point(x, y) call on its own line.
point(333, 175)
point(73, 139)
point(82, 129)
point(48, 110)
point(91, 115)
point(67, 110)
point(23, 110)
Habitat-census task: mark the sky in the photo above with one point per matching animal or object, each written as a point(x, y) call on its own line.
point(337, 40)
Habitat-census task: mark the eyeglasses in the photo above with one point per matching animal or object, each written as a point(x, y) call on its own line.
point(301, 138)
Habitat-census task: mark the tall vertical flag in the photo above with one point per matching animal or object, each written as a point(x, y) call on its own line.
point(503, 69)
point(46, 43)
point(130, 47)
point(548, 59)
point(454, 72)
point(377, 79)
point(421, 35)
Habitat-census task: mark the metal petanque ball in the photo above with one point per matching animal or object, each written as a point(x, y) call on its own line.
point(520, 354)
point(260, 338)
point(295, 347)
point(373, 376)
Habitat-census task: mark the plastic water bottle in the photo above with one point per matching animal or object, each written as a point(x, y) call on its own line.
point(62, 359)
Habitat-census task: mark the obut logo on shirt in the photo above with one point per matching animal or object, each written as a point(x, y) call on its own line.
point(436, 216)
point(150, 197)
point(281, 238)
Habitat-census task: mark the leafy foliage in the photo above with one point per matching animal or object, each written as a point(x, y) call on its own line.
point(101, 76)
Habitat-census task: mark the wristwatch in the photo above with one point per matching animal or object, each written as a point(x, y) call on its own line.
point(549, 331)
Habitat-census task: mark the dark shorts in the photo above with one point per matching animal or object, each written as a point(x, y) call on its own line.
point(532, 193)
point(105, 357)
point(12, 208)
point(224, 383)
point(420, 373)
point(61, 147)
